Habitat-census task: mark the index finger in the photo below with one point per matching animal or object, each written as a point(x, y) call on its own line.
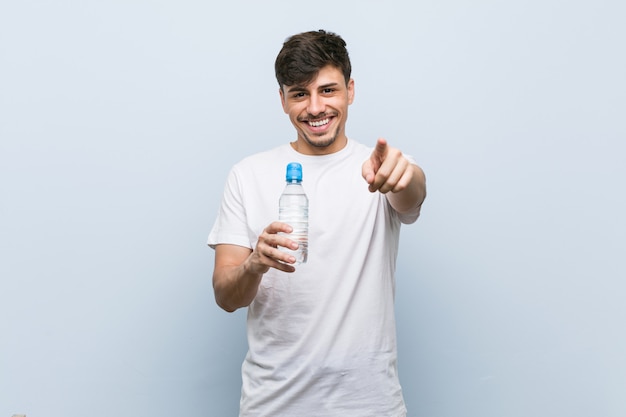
point(381, 148)
point(277, 227)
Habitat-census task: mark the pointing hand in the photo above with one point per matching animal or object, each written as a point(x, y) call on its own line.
point(386, 169)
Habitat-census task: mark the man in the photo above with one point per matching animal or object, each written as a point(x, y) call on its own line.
point(321, 336)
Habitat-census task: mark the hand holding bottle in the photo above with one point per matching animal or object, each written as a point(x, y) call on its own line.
point(270, 249)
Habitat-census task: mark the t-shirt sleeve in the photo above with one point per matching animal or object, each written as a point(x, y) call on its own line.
point(412, 215)
point(230, 226)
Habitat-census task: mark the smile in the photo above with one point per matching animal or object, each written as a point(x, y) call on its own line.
point(319, 123)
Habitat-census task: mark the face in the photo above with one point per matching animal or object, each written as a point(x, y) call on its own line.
point(319, 111)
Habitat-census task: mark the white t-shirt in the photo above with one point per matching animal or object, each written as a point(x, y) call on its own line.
point(322, 340)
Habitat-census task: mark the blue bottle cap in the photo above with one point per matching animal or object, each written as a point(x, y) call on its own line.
point(294, 172)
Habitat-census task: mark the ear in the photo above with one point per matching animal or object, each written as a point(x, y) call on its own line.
point(350, 91)
point(282, 99)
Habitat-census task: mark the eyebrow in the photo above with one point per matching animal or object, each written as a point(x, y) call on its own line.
point(297, 88)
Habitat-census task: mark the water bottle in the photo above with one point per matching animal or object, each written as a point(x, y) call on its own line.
point(294, 210)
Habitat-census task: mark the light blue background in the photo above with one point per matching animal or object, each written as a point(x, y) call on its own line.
point(119, 121)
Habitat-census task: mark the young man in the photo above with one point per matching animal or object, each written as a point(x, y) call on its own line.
point(321, 335)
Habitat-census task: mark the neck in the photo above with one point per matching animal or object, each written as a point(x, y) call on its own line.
point(302, 146)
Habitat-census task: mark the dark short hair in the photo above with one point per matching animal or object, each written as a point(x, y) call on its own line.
point(305, 54)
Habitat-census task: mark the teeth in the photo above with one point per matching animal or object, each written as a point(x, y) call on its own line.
point(319, 123)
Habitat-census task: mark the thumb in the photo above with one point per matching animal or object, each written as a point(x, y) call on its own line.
point(368, 171)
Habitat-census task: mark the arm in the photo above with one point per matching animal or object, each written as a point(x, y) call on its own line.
point(389, 172)
point(238, 270)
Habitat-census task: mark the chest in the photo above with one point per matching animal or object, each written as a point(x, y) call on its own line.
point(336, 200)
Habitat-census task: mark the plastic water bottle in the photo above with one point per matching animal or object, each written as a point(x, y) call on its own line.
point(294, 210)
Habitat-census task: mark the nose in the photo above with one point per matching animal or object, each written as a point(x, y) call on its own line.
point(316, 105)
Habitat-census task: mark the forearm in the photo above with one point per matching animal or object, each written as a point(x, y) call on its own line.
point(235, 287)
point(235, 280)
point(412, 195)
